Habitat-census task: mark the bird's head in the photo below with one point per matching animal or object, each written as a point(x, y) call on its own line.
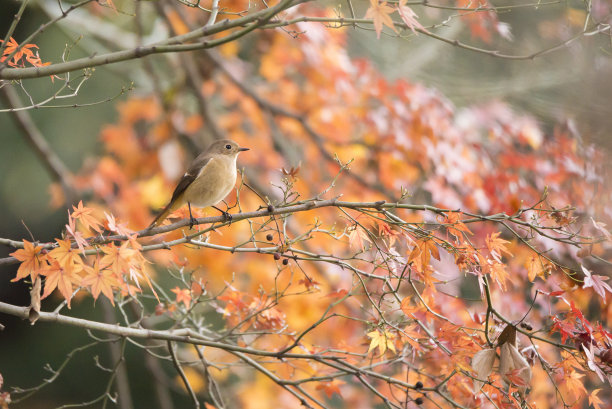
point(226, 147)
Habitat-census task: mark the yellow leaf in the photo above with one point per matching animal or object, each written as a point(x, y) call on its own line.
point(382, 340)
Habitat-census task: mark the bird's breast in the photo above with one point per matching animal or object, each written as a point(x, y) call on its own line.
point(214, 182)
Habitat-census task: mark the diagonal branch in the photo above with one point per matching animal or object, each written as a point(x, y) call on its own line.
point(59, 172)
point(179, 369)
point(170, 45)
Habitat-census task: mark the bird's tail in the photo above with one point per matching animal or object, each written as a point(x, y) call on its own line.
point(170, 207)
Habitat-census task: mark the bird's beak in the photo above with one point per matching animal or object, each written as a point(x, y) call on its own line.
point(242, 149)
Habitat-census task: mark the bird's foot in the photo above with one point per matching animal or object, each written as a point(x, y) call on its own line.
point(228, 217)
point(192, 221)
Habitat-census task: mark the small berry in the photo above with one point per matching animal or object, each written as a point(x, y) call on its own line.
point(418, 401)
point(269, 237)
point(285, 261)
point(270, 208)
point(418, 385)
point(277, 256)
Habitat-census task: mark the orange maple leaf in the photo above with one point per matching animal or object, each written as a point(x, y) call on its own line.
point(339, 293)
point(66, 256)
point(269, 318)
point(119, 259)
point(101, 280)
point(574, 384)
point(182, 295)
point(411, 334)
point(11, 46)
point(331, 387)
point(379, 12)
point(455, 226)
point(515, 377)
point(234, 300)
point(409, 309)
point(60, 278)
point(536, 267)
point(385, 230)
point(498, 273)
point(32, 261)
point(497, 246)
point(18, 59)
point(423, 251)
point(119, 228)
point(357, 238)
point(84, 214)
point(594, 399)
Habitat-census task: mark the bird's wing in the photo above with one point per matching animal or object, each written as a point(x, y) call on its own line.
point(192, 173)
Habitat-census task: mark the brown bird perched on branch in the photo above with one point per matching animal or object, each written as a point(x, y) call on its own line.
point(211, 176)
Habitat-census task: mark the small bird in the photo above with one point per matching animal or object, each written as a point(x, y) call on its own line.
point(211, 176)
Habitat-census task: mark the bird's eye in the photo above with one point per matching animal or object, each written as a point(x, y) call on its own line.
point(228, 146)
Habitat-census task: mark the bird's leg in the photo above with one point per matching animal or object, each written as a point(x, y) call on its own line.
point(228, 217)
point(192, 220)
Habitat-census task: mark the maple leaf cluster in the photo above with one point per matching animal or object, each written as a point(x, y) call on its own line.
point(67, 267)
point(20, 55)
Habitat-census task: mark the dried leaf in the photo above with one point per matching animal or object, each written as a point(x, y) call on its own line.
point(482, 363)
point(508, 335)
point(513, 367)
